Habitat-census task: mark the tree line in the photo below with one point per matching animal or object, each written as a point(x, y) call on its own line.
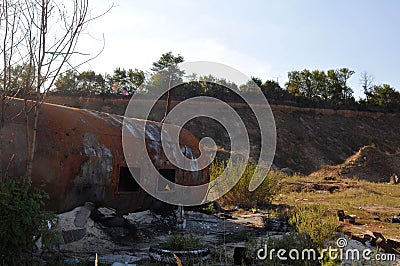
point(305, 88)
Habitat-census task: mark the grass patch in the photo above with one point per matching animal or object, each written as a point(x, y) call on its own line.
point(181, 242)
point(316, 221)
point(366, 200)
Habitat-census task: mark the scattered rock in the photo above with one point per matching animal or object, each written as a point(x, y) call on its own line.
point(119, 259)
point(276, 224)
point(72, 261)
point(382, 243)
point(287, 171)
point(340, 214)
point(345, 218)
point(115, 221)
point(394, 179)
point(83, 214)
point(122, 264)
point(217, 207)
point(142, 219)
point(349, 219)
point(394, 219)
point(73, 235)
point(102, 213)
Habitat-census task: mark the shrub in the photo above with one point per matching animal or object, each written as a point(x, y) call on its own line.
point(181, 242)
point(316, 221)
point(240, 194)
point(22, 221)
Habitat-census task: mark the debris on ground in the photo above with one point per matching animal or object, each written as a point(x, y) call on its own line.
point(394, 219)
point(351, 219)
point(110, 235)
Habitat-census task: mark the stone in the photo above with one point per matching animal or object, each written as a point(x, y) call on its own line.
point(115, 221)
point(119, 259)
point(83, 214)
point(287, 171)
point(340, 214)
point(73, 235)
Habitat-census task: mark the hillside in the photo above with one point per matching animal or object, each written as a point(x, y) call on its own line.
point(307, 139)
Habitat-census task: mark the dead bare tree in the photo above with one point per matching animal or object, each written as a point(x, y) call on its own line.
point(367, 83)
point(41, 36)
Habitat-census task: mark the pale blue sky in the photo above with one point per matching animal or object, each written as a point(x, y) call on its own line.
point(265, 39)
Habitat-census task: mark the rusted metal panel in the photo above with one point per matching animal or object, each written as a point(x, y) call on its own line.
point(79, 156)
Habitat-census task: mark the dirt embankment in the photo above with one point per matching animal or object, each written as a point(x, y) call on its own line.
point(307, 138)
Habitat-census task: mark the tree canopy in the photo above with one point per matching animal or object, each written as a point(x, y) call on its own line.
point(310, 88)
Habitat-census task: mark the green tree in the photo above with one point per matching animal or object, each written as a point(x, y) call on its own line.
point(338, 90)
point(273, 91)
point(90, 83)
point(220, 88)
point(66, 83)
point(18, 81)
point(318, 85)
point(166, 73)
point(126, 81)
point(252, 85)
point(294, 83)
point(384, 95)
point(304, 83)
point(82, 84)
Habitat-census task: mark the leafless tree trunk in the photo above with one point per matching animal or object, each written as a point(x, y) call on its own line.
point(41, 36)
point(168, 103)
point(367, 83)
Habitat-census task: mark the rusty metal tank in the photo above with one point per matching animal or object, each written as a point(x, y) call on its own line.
point(79, 157)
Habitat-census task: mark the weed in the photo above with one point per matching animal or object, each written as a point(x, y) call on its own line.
point(240, 194)
point(22, 220)
point(181, 242)
point(316, 221)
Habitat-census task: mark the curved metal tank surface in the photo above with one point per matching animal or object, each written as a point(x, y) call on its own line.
point(79, 157)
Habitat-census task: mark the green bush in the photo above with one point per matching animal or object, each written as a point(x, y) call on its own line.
point(182, 242)
point(240, 194)
point(22, 220)
point(316, 221)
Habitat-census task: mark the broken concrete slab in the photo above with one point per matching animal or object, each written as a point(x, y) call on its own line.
point(276, 224)
point(101, 213)
point(83, 214)
point(73, 235)
point(122, 264)
point(125, 258)
point(141, 219)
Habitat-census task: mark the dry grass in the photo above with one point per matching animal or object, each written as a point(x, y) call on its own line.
point(368, 201)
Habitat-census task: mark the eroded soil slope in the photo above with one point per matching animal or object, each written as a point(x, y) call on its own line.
point(307, 139)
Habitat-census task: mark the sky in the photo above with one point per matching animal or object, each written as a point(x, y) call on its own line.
point(265, 39)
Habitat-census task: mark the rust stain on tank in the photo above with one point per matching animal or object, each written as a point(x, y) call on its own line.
point(79, 157)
